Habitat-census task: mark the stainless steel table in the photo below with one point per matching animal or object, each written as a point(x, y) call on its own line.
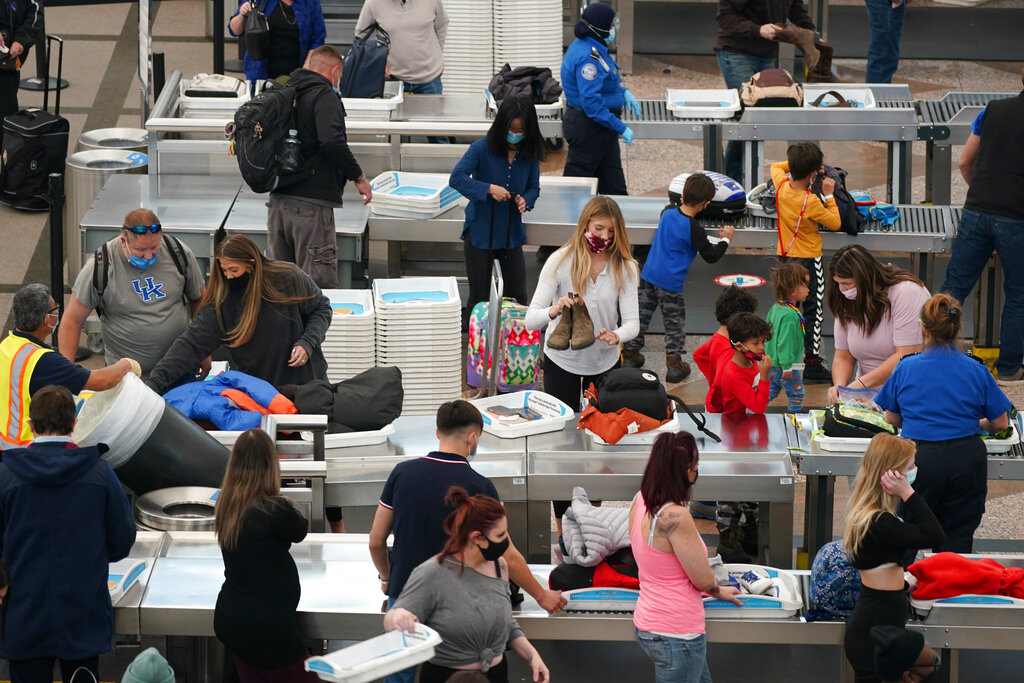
point(148, 545)
point(751, 463)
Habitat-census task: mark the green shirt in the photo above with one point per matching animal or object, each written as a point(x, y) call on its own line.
point(786, 346)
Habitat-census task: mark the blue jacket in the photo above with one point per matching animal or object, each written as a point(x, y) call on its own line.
point(476, 171)
point(591, 82)
point(312, 32)
point(63, 519)
point(204, 400)
point(676, 243)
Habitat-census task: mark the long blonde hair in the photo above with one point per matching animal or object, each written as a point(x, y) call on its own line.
point(252, 478)
point(264, 285)
point(885, 452)
point(621, 254)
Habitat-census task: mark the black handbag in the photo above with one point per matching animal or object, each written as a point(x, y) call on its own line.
point(257, 32)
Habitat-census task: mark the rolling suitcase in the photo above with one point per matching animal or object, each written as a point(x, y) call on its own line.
point(35, 145)
point(365, 63)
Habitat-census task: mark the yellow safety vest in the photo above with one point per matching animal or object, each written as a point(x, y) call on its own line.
point(18, 358)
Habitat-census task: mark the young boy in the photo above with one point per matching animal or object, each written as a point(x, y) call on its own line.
point(800, 212)
point(710, 355)
point(734, 392)
point(786, 347)
point(678, 240)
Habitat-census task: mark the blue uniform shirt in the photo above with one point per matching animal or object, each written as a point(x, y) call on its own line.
point(941, 393)
point(976, 123)
point(591, 82)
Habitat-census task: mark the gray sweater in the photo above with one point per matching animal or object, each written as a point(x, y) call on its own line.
point(417, 29)
point(472, 612)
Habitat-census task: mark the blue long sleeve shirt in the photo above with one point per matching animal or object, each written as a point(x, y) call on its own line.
point(473, 176)
point(312, 32)
point(591, 82)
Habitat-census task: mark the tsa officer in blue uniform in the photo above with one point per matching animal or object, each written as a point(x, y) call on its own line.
point(595, 96)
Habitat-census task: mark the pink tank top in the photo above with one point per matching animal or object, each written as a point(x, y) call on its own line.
point(668, 602)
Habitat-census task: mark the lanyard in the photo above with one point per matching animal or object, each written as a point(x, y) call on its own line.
point(799, 219)
point(803, 325)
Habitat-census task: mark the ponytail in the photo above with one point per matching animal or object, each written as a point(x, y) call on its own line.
point(941, 317)
point(471, 514)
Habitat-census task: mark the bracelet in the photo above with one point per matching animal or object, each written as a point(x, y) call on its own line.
point(827, 197)
point(862, 383)
point(381, 579)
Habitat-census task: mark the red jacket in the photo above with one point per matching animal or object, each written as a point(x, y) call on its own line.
point(711, 355)
point(733, 391)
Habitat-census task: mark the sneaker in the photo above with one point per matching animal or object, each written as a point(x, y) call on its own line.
point(816, 372)
point(1012, 379)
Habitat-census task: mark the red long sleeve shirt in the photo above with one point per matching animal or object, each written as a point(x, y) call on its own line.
point(733, 391)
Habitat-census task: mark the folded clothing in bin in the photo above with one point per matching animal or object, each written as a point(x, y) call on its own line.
point(232, 401)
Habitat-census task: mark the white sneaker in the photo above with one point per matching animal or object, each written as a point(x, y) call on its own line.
point(1011, 379)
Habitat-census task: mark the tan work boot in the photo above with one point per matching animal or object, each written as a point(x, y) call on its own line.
point(804, 39)
point(582, 325)
point(677, 369)
point(559, 339)
point(632, 359)
point(822, 71)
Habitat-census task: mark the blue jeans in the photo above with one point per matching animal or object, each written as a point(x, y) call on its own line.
point(884, 48)
point(978, 234)
point(429, 88)
point(676, 660)
point(737, 68)
point(405, 675)
point(793, 386)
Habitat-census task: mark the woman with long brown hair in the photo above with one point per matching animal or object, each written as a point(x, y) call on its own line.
point(875, 307)
point(463, 594)
point(876, 540)
point(270, 315)
point(941, 398)
point(255, 527)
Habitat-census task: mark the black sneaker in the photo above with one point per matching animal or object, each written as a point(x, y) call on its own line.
point(816, 372)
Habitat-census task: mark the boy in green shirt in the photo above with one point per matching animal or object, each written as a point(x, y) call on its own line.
point(786, 346)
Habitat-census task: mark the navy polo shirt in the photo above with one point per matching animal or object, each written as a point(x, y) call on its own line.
point(415, 492)
point(53, 368)
point(941, 394)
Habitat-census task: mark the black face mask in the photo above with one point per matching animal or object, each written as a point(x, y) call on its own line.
point(495, 550)
point(239, 283)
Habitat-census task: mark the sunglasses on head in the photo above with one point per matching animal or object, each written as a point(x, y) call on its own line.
point(143, 229)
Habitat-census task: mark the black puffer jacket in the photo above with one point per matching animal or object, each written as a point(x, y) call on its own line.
point(320, 120)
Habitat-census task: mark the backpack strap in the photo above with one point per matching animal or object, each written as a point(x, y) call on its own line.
point(698, 418)
point(100, 275)
point(177, 252)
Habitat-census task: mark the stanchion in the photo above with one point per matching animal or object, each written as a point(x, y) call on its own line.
point(159, 75)
point(55, 198)
point(37, 83)
point(218, 36)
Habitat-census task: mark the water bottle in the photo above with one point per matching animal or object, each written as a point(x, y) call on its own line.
point(290, 152)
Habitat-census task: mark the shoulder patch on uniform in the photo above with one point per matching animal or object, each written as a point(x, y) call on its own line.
point(589, 71)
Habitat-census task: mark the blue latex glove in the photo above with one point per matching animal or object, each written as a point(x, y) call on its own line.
point(631, 102)
point(628, 135)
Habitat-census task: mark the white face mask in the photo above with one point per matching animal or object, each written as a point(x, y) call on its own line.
point(850, 293)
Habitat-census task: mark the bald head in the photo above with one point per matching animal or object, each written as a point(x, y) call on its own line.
point(140, 217)
point(324, 60)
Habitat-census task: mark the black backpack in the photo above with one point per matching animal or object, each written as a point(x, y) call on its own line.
point(257, 136)
point(365, 62)
point(535, 82)
point(101, 268)
point(852, 221)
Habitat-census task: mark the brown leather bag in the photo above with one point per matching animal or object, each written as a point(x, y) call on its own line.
point(772, 88)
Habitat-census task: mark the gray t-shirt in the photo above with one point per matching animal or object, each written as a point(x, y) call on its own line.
point(471, 611)
point(144, 310)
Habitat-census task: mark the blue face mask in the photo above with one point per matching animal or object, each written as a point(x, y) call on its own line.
point(911, 476)
point(142, 263)
point(515, 138)
point(611, 37)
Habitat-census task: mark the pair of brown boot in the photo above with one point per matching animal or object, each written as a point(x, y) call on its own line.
point(575, 328)
point(817, 54)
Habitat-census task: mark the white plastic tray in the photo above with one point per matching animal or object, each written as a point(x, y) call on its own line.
point(375, 107)
point(555, 414)
point(857, 94)
point(239, 93)
point(542, 109)
point(836, 444)
point(702, 104)
point(377, 657)
point(972, 601)
point(122, 575)
point(413, 195)
point(341, 297)
point(645, 438)
point(383, 286)
point(758, 606)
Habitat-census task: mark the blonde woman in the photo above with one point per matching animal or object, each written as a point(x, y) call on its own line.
point(255, 527)
point(596, 265)
point(270, 315)
point(877, 540)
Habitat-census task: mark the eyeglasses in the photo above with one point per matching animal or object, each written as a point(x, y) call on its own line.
point(143, 229)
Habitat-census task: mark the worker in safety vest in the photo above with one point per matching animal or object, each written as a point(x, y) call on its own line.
point(27, 364)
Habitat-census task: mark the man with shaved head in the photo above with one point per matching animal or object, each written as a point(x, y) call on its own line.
point(144, 284)
point(300, 222)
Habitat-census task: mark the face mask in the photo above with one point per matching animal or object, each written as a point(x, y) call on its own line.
point(750, 355)
point(850, 293)
point(337, 91)
point(611, 37)
point(596, 244)
point(515, 138)
point(495, 550)
point(696, 473)
point(911, 476)
point(240, 282)
point(142, 263)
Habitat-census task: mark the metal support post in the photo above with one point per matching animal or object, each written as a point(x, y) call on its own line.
point(713, 147)
point(938, 162)
point(145, 56)
point(900, 172)
point(820, 492)
point(55, 198)
point(218, 36)
point(159, 77)
point(494, 336)
point(753, 155)
point(989, 303)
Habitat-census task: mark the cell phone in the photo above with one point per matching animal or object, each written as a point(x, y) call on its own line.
point(503, 411)
point(529, 413)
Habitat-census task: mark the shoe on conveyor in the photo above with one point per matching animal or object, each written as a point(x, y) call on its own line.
point(730, 546)
point(632, 359)
point(705, 509)
point(677, 370)
point(1012, 379)
point(815, 371)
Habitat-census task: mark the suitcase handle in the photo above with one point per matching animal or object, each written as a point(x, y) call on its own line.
point(46, 78)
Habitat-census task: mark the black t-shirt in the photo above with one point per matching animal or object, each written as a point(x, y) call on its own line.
point(283, 56)
point(415, 493)
point(999, 167)
point(889, 537)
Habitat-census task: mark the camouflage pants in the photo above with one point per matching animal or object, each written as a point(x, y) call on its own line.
point(735, 514)
point(673, 312)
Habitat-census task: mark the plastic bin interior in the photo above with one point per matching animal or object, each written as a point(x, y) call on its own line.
point(351, 305)
point(702, 104)
point(836, 444)
point(413, 195)
point(554, 414)
point(758, 606)
point(971, 601)
point(387, 288)
point(377, 657)
point(375, 107)
point(645, 438)
point(208, 107)
point(861, 97)
point(542, 109)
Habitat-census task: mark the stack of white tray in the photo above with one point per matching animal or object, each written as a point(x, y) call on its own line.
point(349, 345)
point(419, 329)
point(528, 33)
point(413, 195)
point(469, 46)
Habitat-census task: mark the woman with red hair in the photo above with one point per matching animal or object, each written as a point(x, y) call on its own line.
point(463, 594)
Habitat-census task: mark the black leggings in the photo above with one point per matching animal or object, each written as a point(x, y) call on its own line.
point(432, 673)
point(874, 608)
point(478, 272)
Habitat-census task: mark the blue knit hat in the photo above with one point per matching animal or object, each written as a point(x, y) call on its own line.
point(596, 22)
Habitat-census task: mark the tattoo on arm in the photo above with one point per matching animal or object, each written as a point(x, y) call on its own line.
point(667, 524)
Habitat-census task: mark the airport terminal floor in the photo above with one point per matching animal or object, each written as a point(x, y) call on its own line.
point(100, 62)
